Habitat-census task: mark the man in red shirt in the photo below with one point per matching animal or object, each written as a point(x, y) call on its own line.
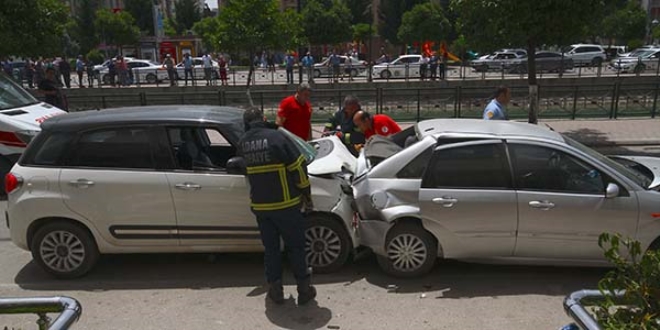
point(375, 125)
point(295, 113)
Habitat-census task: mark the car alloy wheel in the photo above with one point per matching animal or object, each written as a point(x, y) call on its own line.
point(386, 74)
point(64, 249)
point(317, 73)
point(151, 78)
point(407, 252)
point(327, 244)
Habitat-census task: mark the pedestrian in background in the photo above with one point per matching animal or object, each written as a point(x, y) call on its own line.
point(39, 71)
point(89, 66)
point(308, 63)
point(433, 65)
point(188, 69)
point(122, 69)
point(80, 69)
point(288, 63)
point(207, 64)
point(335, 63)
point(222, 68)
point(295, 113)
point(51, 90)
point(29, 73)
point(423, 66)
point(443, 65)
point(65, 71)
point(112, 72)
point(496, 109)
point(348, 66)
point(171, 72)
point(279, 188)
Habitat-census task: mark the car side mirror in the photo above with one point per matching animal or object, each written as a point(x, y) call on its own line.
point(612, 190)
point(236, 165)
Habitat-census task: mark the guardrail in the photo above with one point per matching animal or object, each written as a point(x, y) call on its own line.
point(575, 306)
point(70, 310)
point(607, 101)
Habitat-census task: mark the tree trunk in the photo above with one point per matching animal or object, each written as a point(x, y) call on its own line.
point(531, 80)
point(249, 79)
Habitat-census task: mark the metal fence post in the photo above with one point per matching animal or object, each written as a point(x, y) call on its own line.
point(459, 97)
point(419, 92)
point(379, 100)
point(655, 99)
point(103, 102)
point(262, 100)
point(220, 97)
point(575, 97)
point(615, 101)
point(233, 73)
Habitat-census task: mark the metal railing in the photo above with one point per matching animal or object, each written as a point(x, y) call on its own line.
point(575, 306)
point(70, 310)
point(610, 101)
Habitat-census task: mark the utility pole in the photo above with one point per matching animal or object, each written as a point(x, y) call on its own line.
point(300, 68)
point(158, 27)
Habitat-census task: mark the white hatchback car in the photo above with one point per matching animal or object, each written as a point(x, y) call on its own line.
point(405, 66)
point(132, 181)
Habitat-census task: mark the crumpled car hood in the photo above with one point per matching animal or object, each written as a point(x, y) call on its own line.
point(332, 157)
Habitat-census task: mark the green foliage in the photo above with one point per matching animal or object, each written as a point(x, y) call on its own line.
point(95, 56)
point(170, 28)
point(362, 31)
point(424, 22)
point(187, 13)
point(293, 29)
point(360, 11)
point(208, 30)
point(327, 23)
point(82, 30)
point(32, 27)
point(391, 12)
point(638, 274)
point(625, 24)
point(116, 28)
point(635, 43)
point(250, 25)
point(142, 11)
point(656, 32)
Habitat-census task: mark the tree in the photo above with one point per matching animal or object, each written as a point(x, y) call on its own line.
point(82, 28)
point(116, 28)
point(32, 27)
point(424, 22)
point(626, 24)
point(207, 29)
point(326, 23)
point(391, 12)
point(186, 14)
point(362, 32)
point(494, 24)
point(360, 11)
point(142, 11)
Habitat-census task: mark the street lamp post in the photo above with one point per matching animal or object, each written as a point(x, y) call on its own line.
point(654, 24)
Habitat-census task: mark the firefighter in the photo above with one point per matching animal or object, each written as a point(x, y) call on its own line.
point(279, 186)
point(341, 124)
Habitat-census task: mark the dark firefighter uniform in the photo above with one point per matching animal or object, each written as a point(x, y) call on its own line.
point(350, 135)
point(277, 173)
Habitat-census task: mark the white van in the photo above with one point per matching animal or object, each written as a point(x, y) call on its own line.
point(21, 115)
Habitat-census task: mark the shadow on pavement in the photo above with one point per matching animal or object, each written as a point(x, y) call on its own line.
point(600, 142)
point(170, 271)
point(453, 279)
point(291, 316)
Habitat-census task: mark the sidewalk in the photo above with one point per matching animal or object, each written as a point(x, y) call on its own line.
point(595, 133)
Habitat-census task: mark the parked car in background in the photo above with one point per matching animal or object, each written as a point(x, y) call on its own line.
point(144, 71)
point(640, 49)
point(405, 66)
point(642, 60)
point(586, 54)
point(104, 65)
point(160, 179)
point(495, 61)
point(198, 69)
point(497, 191)
point(545, 62)
point(322, 69)
point(21, 115)
point(615, 51)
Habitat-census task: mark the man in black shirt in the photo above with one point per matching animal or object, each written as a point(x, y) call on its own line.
point(341, 124)
point(65, 70)
point(48, 87)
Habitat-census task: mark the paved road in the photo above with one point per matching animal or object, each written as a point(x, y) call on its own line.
point(226, 292)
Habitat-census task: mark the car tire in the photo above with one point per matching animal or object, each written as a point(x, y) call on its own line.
point(354, 73)
point(327, 244)
point(405, 239)
point(317, 73)
point(386, 74)
point(639, 68)
point(65, 250)
point(151, 78)
point(5, 167)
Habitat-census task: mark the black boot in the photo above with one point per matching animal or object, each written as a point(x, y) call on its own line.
point(276, 292)
point(306, 292)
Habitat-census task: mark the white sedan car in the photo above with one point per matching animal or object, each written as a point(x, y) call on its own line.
point(198, 69)
point(405, 66)
point(637, 63)
point(144, 71)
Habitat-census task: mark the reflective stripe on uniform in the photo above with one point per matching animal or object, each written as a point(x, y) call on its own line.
point(296, 164)
point(285, 184)
point(276, 206)
point(347, 138)
point(264, 168)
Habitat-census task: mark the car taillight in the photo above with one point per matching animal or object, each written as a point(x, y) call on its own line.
point(12, 182)
point(12, 140)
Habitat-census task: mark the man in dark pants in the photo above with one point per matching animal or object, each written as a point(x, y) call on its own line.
point(277, 173)
point(65, 70)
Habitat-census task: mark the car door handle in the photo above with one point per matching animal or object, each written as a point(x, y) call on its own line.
point(188, 186)
point(445, 201)
point(543, 205)
point(81, 183)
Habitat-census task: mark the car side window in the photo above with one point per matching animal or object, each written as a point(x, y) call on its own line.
point(51, 150)
point(545, 169)
point(482, 166)
point(200, 149)
point(127, 148)
point(415, 169)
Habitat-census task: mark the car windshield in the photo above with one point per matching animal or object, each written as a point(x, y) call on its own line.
point(308, 151)
point(12, 95)
point(639, 178)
